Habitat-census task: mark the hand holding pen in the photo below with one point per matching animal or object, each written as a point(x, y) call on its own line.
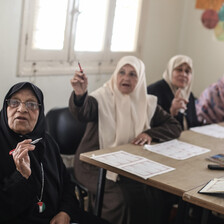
point(179, 104)
point(79, 82)
point(21, 157)
point(32, 143)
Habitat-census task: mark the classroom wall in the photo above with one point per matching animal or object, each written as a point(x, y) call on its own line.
point(201, 44)
point(161, 40)
point(173, 27)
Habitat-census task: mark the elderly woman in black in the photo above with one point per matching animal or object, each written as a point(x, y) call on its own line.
point(34, 184)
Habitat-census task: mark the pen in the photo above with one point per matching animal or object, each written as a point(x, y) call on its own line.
point(35, 141)
point(32, 143)
point(182, 111)
point(215, 167)
point(81, 70)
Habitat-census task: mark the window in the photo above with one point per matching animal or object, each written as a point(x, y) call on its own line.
point(56, 34)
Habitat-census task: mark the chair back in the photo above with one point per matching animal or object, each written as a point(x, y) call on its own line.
point(65, 129)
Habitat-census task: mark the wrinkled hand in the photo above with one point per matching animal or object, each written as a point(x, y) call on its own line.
point(178, 103)
point(61, 218)
point(79, 83)
point(21, 157)
point(142, 139)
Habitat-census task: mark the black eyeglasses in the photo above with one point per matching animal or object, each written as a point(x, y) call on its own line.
point(30, 105)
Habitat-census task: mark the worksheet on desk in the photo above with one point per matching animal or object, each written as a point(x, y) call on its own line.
point(214, 186)
point(176, 149)
point(213, 130)
point(131, 163)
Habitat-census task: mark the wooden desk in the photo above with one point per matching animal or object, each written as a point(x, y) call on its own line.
point(208, 201)
point(188, 174)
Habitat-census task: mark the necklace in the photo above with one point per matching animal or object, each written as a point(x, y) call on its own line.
point(40, 203)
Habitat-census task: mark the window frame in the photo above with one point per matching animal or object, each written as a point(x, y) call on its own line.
point(65, 62)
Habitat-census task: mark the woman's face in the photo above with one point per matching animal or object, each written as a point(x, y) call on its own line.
point(127, 79)
point(22, 117)
point(181, 76)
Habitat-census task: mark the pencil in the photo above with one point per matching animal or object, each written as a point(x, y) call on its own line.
point(81, 70)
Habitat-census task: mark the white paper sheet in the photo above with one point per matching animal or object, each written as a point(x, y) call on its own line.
point(131, 163)
point(176, 149)
point(214, 186)
point(213, 130)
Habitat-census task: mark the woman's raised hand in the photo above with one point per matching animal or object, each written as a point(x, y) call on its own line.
point(178, 103)
point(79, 83)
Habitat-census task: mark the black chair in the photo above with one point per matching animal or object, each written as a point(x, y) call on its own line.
point(67, 132)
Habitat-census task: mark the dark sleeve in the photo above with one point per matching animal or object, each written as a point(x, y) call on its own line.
point(67, 201)
point(84, 109)
point(155, 89)
point(192, 119)
point(17, 195)
point(79, 101)
point(162, 91)
point(163, 126)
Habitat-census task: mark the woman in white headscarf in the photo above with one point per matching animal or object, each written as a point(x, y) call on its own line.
point(174, 91)
point(117, 113)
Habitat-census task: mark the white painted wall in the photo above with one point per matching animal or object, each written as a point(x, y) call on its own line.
point(201, 44)
point(173, 27)
point(161, 40)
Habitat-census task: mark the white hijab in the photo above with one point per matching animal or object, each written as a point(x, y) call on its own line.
point(123, 116)
point(167, 75)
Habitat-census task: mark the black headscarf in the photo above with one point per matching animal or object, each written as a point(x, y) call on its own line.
point(10, 136)
point(19, 195)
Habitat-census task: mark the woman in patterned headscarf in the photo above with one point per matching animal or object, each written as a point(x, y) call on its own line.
point(117, 113)
point(210, 104)
point(174, 91)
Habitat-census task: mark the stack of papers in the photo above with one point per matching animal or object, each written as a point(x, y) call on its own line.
point(133, 164)
point(213, 130)
point(176, 149)
point(218, 158)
